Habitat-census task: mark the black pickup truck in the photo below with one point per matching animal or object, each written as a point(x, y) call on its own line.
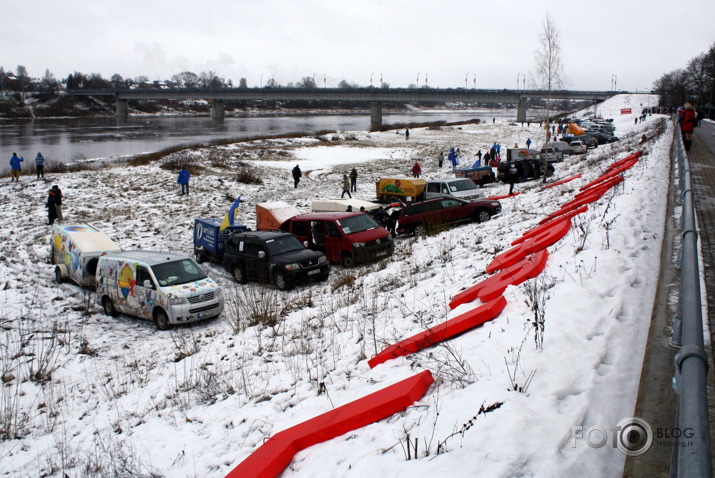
point(273, 256)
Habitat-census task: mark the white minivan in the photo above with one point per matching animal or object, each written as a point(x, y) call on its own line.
point(160, 286)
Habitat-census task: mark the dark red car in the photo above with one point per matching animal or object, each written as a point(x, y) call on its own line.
point(420, 217)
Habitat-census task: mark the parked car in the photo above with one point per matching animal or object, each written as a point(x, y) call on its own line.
point(420, 217)
point(345, 237)
point(160, 286)
point(526, 169)
point(480, 176)
point(602, 138)
point(462, 188)
point(275, 257)
point(587, 140)
point(577, 147)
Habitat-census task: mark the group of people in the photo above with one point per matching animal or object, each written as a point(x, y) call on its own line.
point(16, 166)
point(54, 205)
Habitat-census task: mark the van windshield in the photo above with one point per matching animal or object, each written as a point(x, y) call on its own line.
point(359, 223)
point(178, 272)
point(284, 244)
point(462, 185)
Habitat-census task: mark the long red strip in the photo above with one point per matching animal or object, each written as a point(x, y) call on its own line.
point(271, 458)
point(441, 332)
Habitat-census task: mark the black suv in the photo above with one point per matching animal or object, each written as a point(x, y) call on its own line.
point(525, 169)
point(273, 256)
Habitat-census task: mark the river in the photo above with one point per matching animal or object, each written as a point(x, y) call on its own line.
point(68, 140)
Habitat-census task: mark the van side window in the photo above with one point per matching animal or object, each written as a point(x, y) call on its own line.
point(449, 203)
point(333, 230)
point(252, 249)
point(300, 228)
point(433, 187)
point(142, 275)
point(445, 189)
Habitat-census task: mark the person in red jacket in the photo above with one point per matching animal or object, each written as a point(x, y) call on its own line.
point(416, 170)
point(687, 123)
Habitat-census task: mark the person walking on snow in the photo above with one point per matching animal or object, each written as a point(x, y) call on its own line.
point(407, 133)
point(440, 159)
point(297, 173)
point(15, 167)
point(183, 179)
point(528, 143)
point(416, 170)
point(687, 124)
point(346, 187)
point(40, 165)
point(353, 180)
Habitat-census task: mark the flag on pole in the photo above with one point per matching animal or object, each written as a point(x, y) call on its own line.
point(230, 217)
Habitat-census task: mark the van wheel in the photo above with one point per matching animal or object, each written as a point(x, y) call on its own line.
point(238, 275)
point(419, 230)
point(162, 320)
point(348, 260)
point(282, 282)
point(482, 216)
point(58, 275)
point(108, 307)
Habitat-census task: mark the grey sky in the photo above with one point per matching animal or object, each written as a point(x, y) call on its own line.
point(442, 41)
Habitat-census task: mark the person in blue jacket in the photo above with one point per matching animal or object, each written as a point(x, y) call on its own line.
point(40, 165)
point(184, 181)
point(15, 167)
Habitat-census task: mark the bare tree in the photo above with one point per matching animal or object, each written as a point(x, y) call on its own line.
point(549, 69)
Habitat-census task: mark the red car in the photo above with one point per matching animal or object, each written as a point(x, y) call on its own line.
point(420, 217)
point(348, 238)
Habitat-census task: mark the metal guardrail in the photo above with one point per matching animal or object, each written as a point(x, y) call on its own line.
point(693, 458)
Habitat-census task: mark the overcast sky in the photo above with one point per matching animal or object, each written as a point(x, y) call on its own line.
point(439, 42)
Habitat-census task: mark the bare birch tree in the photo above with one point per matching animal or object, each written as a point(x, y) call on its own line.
point(549, 69)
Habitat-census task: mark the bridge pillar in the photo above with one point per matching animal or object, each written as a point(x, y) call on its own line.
point(376, 116)
point(217, 110)
point(122, 107)
point(521, 112)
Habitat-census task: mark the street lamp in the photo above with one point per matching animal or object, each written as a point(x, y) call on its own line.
point(261, 80)
point(426, 79)
point(466, 77)
point(371, 79)
point(325, 81)
point(380, 80)
point(475, 81)
point(418, 80)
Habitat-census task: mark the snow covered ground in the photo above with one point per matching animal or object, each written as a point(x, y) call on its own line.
point(84, 394)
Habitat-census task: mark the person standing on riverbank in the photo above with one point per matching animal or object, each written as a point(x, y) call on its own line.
point(15, 167)
point(40, 165)
point(297, 174)
point(183, 179)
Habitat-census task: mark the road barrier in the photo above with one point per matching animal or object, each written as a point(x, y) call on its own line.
point(691, 362)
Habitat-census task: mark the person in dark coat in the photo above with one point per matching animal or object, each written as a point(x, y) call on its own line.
point(51, 210)
point(353, 180)
point(407, 133)
point(58, 202)
point(183, 179)
point(512, 177)
point(440, 159)
point(40, 165)
point(416, 170)
point(297, 174)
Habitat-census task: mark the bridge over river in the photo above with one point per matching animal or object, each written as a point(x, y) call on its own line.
point(375, 96)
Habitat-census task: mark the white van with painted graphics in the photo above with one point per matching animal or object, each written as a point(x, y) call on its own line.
point(167, 288)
